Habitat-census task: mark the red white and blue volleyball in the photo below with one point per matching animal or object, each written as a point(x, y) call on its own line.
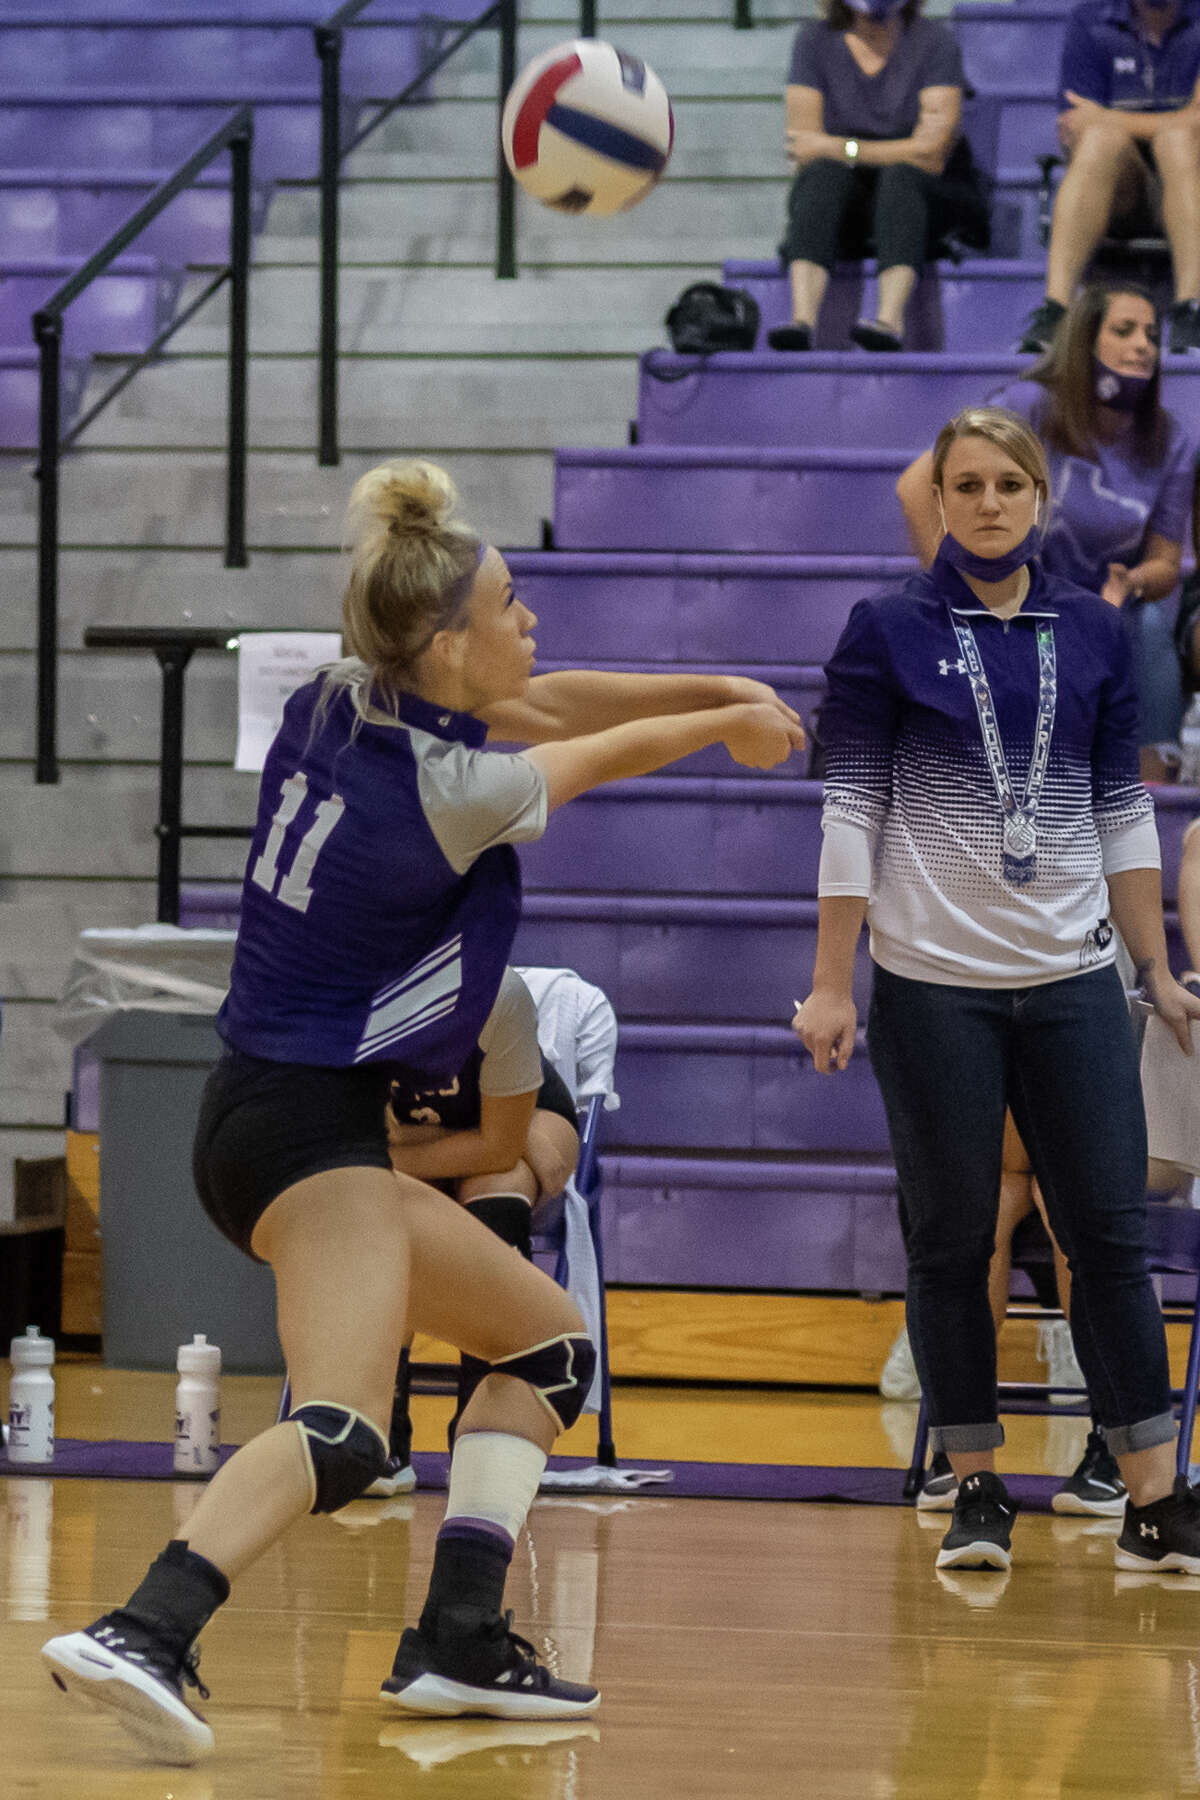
point(587, 128)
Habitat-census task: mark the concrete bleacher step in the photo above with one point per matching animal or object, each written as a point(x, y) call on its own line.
point(121, 312)
point(834, 399)
point(956, 307)
point(689, 1221)
point(773, 502)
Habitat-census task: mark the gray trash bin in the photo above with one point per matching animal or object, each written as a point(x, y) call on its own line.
point(168, 1272)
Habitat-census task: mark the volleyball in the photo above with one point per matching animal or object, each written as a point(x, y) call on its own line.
point(587, 128)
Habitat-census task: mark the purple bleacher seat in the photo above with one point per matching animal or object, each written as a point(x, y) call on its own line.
point(829, 502)
point(1028, 120)
point(742, 1087)
point(692, 609)
point(124, 129)
point(1001, 42)
point(19, 396)
point(61, 212)
point(765, 399)
point(687, 1222)
point(967, 308)
point(120, 312)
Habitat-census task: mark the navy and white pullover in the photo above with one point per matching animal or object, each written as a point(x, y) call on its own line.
point(382, 892)
point(911, 817)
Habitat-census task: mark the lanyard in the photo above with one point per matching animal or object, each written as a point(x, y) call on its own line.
point(1019, 858)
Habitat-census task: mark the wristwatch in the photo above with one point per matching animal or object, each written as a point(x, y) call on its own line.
point(851, 150)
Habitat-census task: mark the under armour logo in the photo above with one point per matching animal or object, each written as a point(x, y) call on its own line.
point(1124, 65)
point(944, 666)
point(1148, 1531)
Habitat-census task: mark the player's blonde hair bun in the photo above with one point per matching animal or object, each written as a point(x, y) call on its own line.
point(412, 563)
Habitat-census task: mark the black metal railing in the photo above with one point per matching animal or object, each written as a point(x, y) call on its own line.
point(235, 135)
point(172, 647)
point(329, 39)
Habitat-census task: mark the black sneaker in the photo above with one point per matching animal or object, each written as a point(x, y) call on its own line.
point(1096, 1486)
point(941, 1486)
point(476, 1663)
point(1164, 1535)
point(118, 1664)
point(980, 1534)
point(790, 337)
point(1185, 326)
point(1040, 328)
point(873, 334)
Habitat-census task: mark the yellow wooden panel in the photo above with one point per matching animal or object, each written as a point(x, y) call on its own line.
point(83, 1167)
point(82, 1294)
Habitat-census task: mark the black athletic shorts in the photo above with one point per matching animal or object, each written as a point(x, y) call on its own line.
point(265, 1125)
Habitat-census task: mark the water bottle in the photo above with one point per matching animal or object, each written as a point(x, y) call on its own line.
point(1189, 745)
point(198, 1408)
point(31, 1398)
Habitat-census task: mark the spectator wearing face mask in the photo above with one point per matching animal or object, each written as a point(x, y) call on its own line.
point(874, 106)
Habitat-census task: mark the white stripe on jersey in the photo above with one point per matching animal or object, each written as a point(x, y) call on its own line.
point(427, 992)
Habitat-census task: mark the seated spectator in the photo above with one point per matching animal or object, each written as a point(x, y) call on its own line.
point(1121, 479)
point(1130, 125)
point(1187, 624)
point(874, 100)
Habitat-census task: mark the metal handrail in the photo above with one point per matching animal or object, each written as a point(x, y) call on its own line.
point(328, 39)
point(236, 135)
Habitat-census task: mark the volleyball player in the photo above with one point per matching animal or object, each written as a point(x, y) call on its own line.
point(380, 902)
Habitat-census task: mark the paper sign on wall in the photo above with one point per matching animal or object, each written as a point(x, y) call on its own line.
point(272, 665)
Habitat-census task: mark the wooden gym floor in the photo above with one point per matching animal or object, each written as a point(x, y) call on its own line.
point(744, 1648)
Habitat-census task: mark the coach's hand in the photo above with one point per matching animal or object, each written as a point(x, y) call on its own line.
point(825, 1024)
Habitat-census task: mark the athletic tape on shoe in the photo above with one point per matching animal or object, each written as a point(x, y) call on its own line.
point(559, 1371)
point(345, 1452)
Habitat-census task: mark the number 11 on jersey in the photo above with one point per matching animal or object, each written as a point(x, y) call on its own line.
point(295, 887)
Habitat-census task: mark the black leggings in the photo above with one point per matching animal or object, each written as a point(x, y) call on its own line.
point(835, 209)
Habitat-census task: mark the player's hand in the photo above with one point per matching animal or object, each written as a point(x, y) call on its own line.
point(1118, 586)
point(825, 1024)
point(759, 735)
point(1176, 1006)
point(744, 690)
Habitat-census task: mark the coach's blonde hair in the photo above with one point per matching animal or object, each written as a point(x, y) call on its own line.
point(412, 566)
point(1000, 427)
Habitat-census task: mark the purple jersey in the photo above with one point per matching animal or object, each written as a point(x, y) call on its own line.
point(382, 892)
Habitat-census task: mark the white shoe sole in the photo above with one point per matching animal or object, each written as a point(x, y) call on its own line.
point(1173, 1563)
point(936, 1503)
point(84, 1670)
point(433, 1696)
point(1073, 1507)
point(982, 1555)
point(385, 1487)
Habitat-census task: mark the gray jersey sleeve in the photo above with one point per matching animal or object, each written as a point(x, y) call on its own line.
point(512, 1062)
point(476, 798)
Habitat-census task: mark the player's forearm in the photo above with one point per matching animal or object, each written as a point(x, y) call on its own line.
point(455, 1153)
point(576, 702)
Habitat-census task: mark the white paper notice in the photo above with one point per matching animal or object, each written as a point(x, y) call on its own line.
point(272, 665)
point(1171, 1090)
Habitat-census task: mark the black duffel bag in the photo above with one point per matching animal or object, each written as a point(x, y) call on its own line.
point(707, 317)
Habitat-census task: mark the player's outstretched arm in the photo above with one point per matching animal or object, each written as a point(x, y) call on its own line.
point(756, 734)
point(579, 702)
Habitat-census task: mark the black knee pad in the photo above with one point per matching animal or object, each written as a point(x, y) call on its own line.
point(345, 1452)
point(509, 1216)
point(559, 1371)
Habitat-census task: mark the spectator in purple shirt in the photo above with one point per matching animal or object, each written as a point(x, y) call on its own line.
point(1130, 125)
point(874, 102)
point(1120, 480)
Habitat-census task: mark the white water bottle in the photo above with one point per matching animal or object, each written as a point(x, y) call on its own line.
point(31, 1398)
point(198, 1408)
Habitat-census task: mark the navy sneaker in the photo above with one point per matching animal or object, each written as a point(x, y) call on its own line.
point(980, 1534)
point(940, 1490)
point(119, 1665)
point(1164, 1535)
point(1041, 328)
point(1096, 1487)
point(476, 1663)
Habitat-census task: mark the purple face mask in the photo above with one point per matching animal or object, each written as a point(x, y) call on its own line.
point(1121, 392)
point(876, 9)
point(988, 568)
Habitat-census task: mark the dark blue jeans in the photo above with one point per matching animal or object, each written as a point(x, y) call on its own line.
point(1062, 1055)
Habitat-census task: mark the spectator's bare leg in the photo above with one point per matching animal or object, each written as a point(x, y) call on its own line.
point(895, 290)
point(1100, 178)
point(1177, 152)
point(809, 281)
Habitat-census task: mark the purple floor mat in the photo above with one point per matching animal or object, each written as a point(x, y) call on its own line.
point(115, 1459)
